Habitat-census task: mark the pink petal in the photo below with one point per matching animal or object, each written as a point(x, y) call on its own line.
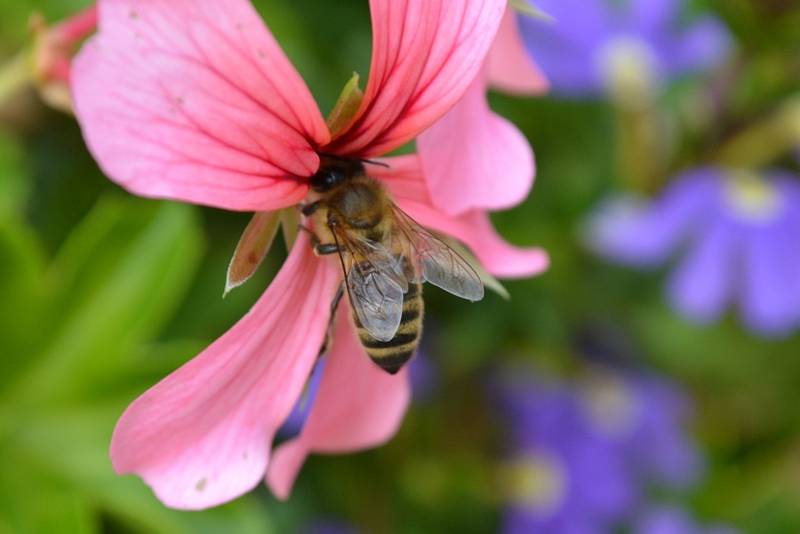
point(202, 435)
point(357, 406)
point(407, 186)
point(425, 53)
point(195, 101)
point(509, 64)
point(474, 158)
point(55, 45)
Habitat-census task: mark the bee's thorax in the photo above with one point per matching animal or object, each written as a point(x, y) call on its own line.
point(359, 205)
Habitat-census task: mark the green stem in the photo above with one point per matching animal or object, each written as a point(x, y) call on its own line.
point(643, 140)
point(764, 142)
point(15, 75)
point(642, 146)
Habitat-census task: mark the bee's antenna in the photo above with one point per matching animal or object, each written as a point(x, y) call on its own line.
point(378, 163)
point(332, 156)
point(367, 161)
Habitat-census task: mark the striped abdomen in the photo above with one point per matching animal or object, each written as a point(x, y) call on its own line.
point(393, 354)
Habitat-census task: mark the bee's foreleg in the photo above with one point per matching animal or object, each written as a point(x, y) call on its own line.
point(309, 209)
point(320, 249)
point(326, 345)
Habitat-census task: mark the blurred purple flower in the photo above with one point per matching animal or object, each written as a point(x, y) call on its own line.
point(582, 455)
point(561, 476)
point(329, 526)
point(294, 423)
point(424, 376)
point(590, 37)
point(741, 234)
point(670, 520)
point(646, 417)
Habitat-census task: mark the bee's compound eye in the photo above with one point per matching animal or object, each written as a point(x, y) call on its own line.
point(334, 177)
point(327, 179)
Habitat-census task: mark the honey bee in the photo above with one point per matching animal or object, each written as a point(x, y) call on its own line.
point(385, 257)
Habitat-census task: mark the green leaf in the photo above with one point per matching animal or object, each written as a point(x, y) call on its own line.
point(14, 22)
point(23, 296)
point(14, 185)
point(346, 107)
point(72, 446)
point(122, 272)
point(32, 500)
point(149, 363)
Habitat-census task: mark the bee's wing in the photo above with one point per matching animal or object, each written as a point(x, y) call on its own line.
point(375, 284)
point(379, 258)
point(431, 260)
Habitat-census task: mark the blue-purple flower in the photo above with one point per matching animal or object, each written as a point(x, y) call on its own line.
point(591, 39)
point(738, 236)
point(561, 476)
point(329, 526)
point(424, 377)
point(646, 417)
point(671, 520)
point(302, 408)
point(582, 455)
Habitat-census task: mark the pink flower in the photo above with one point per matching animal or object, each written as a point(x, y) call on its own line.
point(476, 144)
point(195, 101)
point(53, 51)
point(509, 64)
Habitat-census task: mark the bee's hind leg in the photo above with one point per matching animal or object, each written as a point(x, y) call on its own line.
point(323, 249)
point(326, 345)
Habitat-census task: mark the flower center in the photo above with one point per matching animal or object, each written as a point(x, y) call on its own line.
point(611, 404)
point(536, 481)
point(628, 67)
point(751, 197)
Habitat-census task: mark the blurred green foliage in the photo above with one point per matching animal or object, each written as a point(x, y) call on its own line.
point(102, 294)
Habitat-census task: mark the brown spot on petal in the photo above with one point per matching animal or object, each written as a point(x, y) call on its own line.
point(201, 484)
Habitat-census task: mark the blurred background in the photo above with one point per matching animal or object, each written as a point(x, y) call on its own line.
point(626, 390)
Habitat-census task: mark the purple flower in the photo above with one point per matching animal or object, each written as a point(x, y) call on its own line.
point(591, 38)
point(582, 455)
point(294, 423)
point(561, 475)
point(738, 235)
point(329, 526)
point(669, 520)
point(424, 376)
point(645, 416)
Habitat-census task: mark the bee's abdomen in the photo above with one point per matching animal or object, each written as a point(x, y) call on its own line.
point(393, 354)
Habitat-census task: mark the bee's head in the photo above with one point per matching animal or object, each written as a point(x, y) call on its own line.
point(327, 178)
point(333, 172)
